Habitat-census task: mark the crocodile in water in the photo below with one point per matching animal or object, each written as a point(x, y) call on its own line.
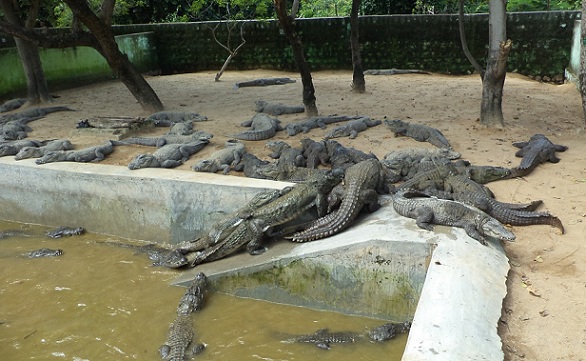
point(65, 232)
point(45, 252)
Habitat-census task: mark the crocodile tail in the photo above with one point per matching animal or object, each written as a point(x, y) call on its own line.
point(527, 218)
point(255, 135)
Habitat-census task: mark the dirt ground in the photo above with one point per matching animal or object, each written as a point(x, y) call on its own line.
point(544, 315)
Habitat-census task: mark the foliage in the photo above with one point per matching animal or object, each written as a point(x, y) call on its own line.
point(325, 8)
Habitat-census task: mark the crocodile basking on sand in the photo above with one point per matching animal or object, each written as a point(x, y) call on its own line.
point(360, 187)
point(12, 104)
point(428, 211)
point(394, 71)
point(352, 128)
point(14, 130)
point(315, 153)
point(167, 118)
point(168, 156)
point(37, 152)
point(31, 114)
point(167, 139)
point(539, 149)
point(264, 82)
point(419, 132)
point(180, 344)
point(261, 126)
point(223, 159)
point(304, 126)
point(344, 157)
point(262, 106)
point(90, 154)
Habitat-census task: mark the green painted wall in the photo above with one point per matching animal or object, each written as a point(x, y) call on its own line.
point(76, 66)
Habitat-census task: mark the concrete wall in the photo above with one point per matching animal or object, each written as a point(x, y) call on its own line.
point(155, 205)
point(76, 66)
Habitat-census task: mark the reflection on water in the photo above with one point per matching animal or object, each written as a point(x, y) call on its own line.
point(99, 302)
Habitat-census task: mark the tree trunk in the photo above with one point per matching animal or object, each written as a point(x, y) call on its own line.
point(36, 83)
point(287, 24)
point(358, 84)
point(118, 62)
point(582, 75)
point(491, 113)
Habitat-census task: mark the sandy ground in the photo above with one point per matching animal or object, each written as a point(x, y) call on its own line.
point(544, 316)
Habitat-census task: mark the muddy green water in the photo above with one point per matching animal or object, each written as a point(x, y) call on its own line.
point(100, 302)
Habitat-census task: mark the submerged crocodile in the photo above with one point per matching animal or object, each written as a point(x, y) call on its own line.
point(360, 184)
point(180, 344)
point(223, 159)
point(65, 232)
point(45, 252)
point(352, 128)
point(262, 106)
point(167, 118)
point(428, 211)
point(168, 156)
point(261, 126)
point(419, 132)
point(264, 82)
point(90, 154)
point(168, 139)
point(37, 152)
point(539, 149)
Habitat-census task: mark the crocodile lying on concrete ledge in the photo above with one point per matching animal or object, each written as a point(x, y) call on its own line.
point(37, 152)
point(15, 146)
point(428, 211)
point(360, 184)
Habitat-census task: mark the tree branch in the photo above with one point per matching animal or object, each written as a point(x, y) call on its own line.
point(464, 42)
point(64, 40)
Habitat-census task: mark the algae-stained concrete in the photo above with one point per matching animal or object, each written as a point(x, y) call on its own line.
point(155, 205)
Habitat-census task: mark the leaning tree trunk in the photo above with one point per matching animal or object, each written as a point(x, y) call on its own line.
point(582, 75)
point(287, 23)
point(36, 83)
point(491, 111)
point(358, 84)
point(118, 62)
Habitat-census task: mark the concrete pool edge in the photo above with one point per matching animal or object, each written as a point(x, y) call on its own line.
point(461, 300)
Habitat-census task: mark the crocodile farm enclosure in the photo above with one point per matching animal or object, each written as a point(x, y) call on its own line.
point(102, 299)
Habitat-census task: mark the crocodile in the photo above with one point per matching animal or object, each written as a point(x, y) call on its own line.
point(13, 147)
point(168, 156)
point(167, 118)
point(223, 159)
point(168, 139)
point(428, 211)
point(192, 299)
point(14, 130)
point(37, 152)
point(469, 192)
point(65, 231)
point(264, 82)
point(394, 71)
point(183, 128)
point(302, 197)
point(315, 153)
point(261, 126)
point(539, 149)
point(304, 126)
point(388, 331)
point(12, 104)
point(254, 167)
point(44, 252)
point(286, 154)
point(419, 132)
point(360, 184)
point(431, 180)
point(32, 113)
point(344, 157)
point(90, 154)
point(352, 128)
point(262, 106)
point(323, 338)
point(402, 164)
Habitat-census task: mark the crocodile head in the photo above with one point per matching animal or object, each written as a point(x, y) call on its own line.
point(396, 125)
point(388, 331)
point(28, 152)
point(493, 228)
point(144, 161)
point(51, 156)
point(205, 165)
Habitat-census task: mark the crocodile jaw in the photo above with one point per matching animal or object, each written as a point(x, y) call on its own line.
point(494, 228)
